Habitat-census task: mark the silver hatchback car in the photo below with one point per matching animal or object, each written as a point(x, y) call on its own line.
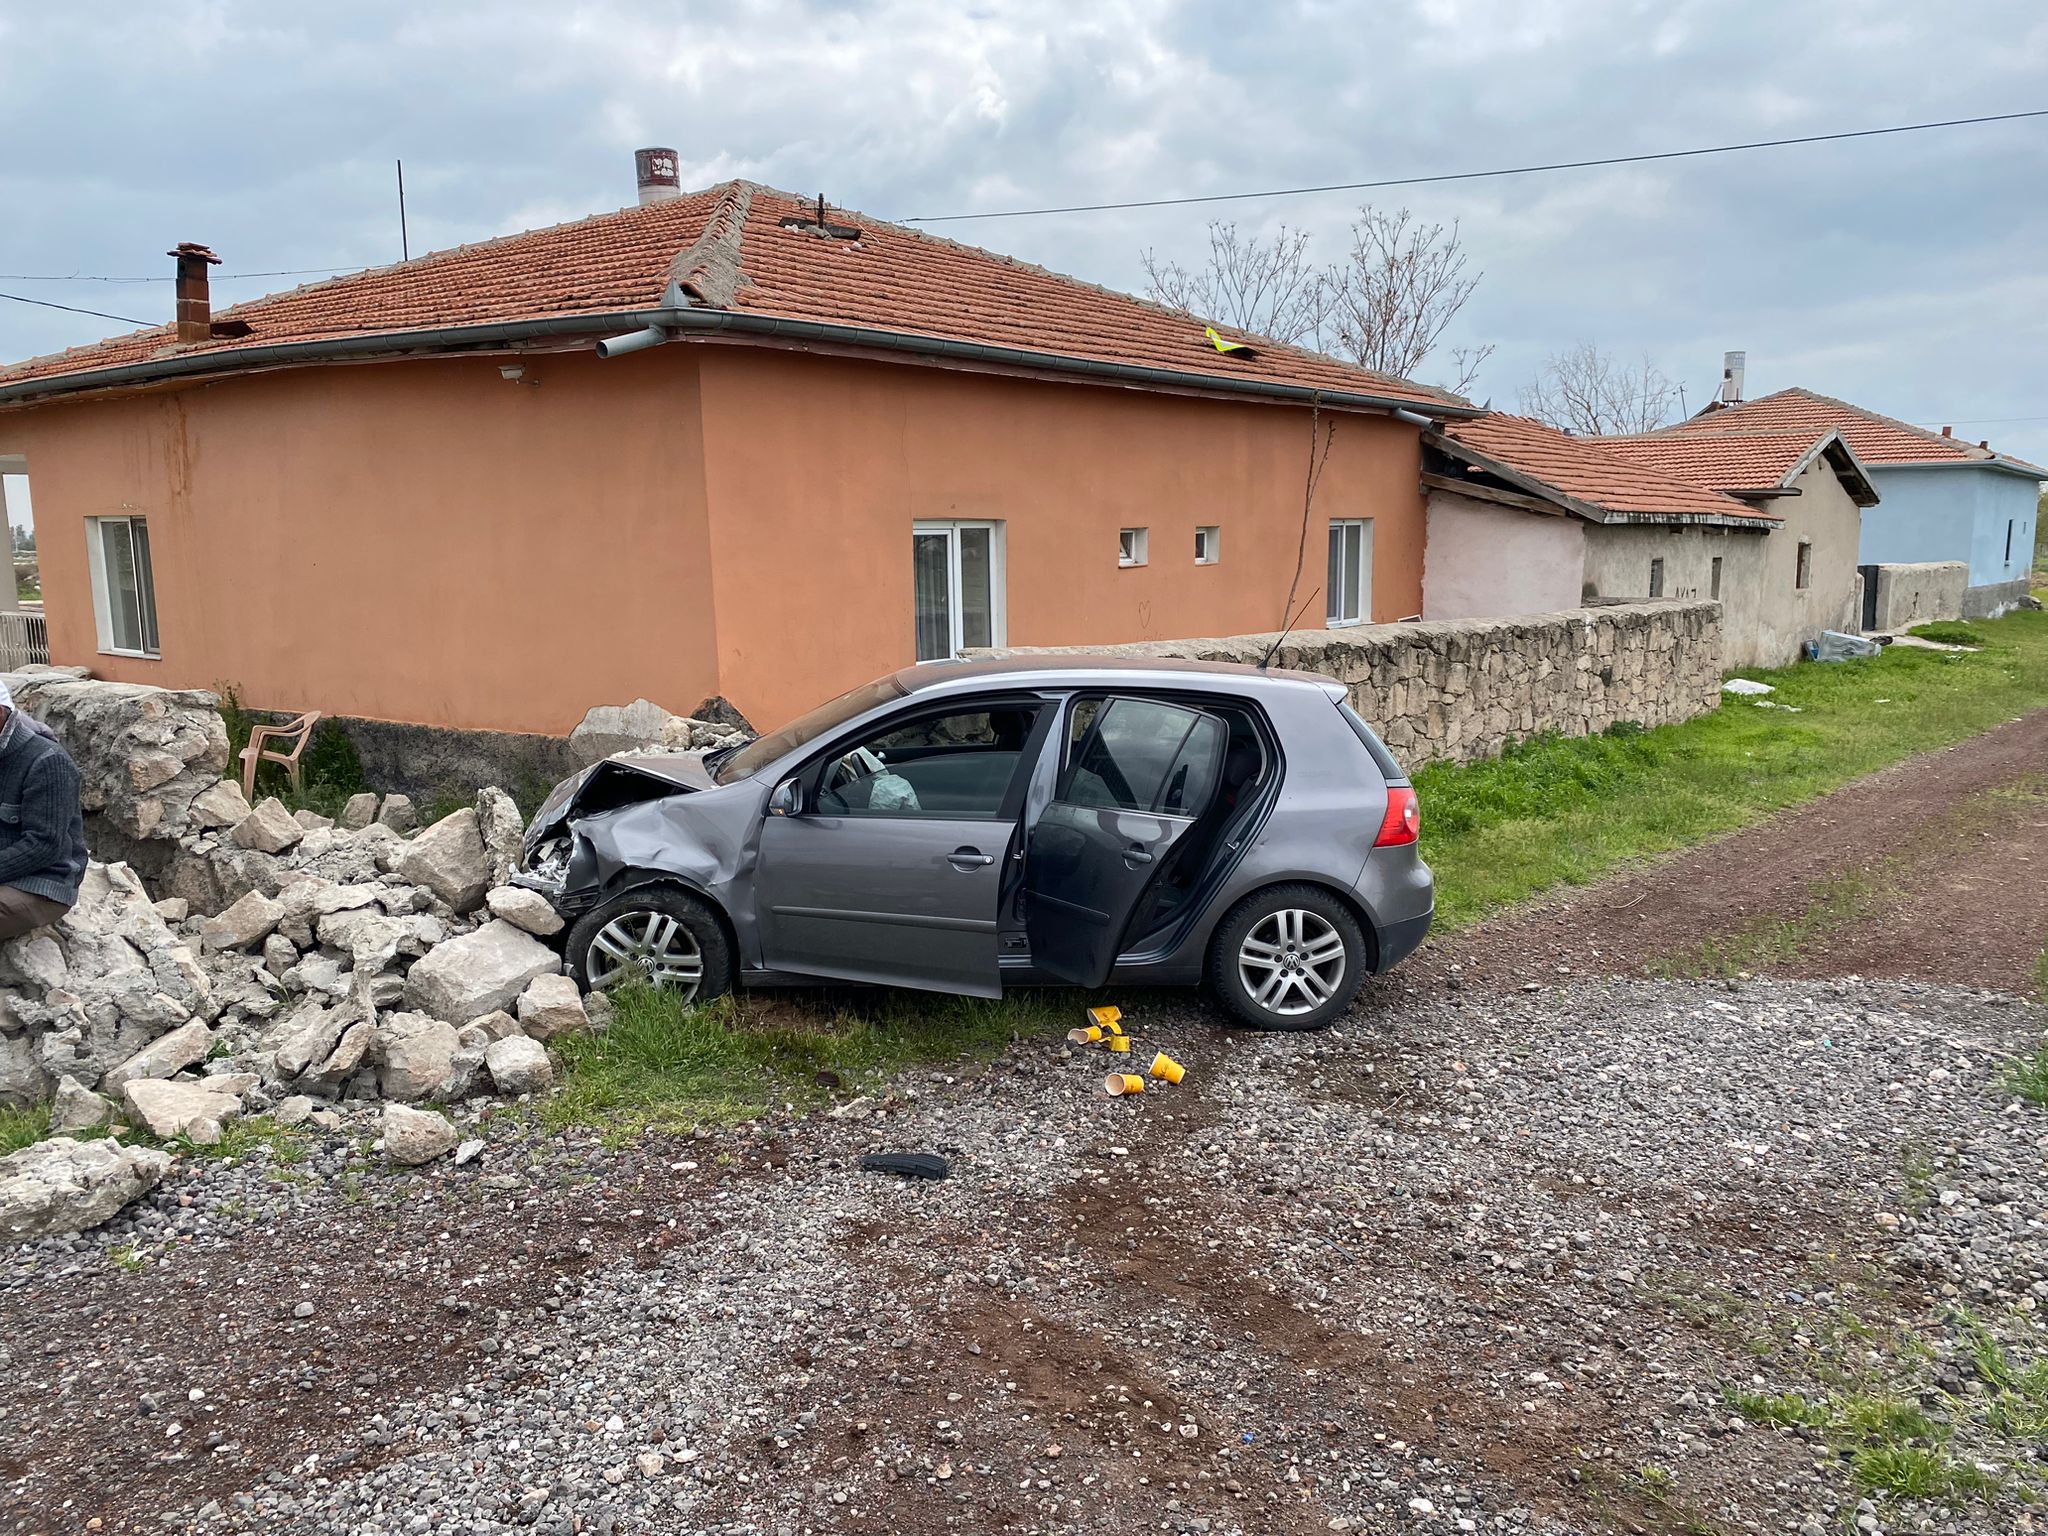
point(966, 826)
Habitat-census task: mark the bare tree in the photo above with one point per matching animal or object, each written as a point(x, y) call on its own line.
point(1385, 306)
point(1583, 390)
point(1267, 287)
point(1402, 283)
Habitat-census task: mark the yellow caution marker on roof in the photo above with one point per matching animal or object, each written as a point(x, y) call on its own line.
point(1225, 345)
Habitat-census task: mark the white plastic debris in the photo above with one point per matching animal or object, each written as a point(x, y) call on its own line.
point(1746, 687)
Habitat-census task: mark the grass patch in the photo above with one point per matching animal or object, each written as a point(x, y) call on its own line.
point(1785, 1410)
point(1948, 632)
point(1773, 941)
point(663, 1066)
point(1556, 811)
point(2028, 1077)
point(23, 1127)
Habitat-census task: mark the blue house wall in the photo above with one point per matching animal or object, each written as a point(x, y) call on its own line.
point(1952, 512)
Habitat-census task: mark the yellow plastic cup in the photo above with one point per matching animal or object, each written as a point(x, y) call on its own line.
point(1119, 1043)
point(1117, 1084)
point(1106, 1015)
point(1166, 1069)
point(1086, 1036)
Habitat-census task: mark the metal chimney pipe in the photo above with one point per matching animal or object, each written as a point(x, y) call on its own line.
point(658, 175)
point(1732, 364)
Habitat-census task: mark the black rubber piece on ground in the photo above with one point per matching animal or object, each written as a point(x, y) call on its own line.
point(912, 1165)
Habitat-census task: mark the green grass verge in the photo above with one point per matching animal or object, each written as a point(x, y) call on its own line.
point(1558, 811)
point(23, 1127)
point(665, 1067)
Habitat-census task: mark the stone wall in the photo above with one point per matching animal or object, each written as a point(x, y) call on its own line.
point(1918, 593)
point(1465, 688)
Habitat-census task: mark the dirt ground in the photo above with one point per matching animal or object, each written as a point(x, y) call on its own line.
point(1931, 870)
point(1472, 1262)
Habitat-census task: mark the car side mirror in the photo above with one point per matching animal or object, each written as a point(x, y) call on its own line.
point(787, 799)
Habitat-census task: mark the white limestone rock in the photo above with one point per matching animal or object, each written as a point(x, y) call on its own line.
point(477, 973)
point(416, 1136)
point(269, 828)
point(449, 859)
point(523, 909)
point(551, 1006)
point(61, 1186)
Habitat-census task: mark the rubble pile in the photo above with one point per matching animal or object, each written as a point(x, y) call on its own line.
point(295, 965)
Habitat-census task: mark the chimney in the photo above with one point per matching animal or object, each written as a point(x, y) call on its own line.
point(655, 170)
point(1948, 432)
point(1731, 377)
point(195, 305)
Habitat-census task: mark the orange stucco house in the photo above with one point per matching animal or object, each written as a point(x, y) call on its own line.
point(709, 445)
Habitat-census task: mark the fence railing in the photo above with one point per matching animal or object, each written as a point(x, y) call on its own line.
point(24, 638)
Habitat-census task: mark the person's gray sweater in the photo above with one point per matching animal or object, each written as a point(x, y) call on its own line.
point(42, 828)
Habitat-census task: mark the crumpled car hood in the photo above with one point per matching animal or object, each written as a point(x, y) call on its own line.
point(615, 782)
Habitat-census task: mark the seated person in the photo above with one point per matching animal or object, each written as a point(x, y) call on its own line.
point(42, 828)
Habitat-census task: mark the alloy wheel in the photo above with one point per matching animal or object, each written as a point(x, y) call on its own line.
point(651, 945)
point(1291, 962)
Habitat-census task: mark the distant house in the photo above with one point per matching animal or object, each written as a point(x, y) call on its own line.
point(730, 442)
point(1524, 518)
point(1941, 498)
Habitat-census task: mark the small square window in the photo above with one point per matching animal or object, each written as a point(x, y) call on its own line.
point(1130, 547)
point(1207, 542)
point(1656, 578)
point(1803, 576)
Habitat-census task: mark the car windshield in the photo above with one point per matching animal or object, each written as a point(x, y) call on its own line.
point(800, 732)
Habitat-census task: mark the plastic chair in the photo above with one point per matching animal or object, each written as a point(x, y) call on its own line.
point(294, 732)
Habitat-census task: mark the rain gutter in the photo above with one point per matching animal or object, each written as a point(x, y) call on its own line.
point(711, 322)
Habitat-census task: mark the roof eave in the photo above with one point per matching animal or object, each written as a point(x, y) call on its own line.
point(1592, 511)
point(713, 321)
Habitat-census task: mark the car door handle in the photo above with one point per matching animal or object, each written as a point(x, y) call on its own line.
point(967, 859)
point(1136, 855)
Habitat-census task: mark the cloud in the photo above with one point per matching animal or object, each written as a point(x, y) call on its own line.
point(1895, 271)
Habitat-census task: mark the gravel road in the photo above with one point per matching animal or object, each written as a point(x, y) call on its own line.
point(1520, 1247)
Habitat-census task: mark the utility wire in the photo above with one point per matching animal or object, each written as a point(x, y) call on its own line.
point(1515, 170)
point(218, 277)
point(74, 309)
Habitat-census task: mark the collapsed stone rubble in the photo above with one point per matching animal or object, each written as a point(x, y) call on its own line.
point(286, 962)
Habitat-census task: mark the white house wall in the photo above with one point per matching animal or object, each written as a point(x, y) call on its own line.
point(1482, 560)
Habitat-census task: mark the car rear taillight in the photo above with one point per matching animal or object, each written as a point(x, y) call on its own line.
point(1403, 822)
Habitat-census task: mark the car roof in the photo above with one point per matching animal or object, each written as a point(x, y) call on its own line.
point(1085, 670)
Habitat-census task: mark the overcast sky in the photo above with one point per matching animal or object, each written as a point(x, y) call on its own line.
point(1904, 273)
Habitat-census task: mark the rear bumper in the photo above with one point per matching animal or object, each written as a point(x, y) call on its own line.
point(1397, 941)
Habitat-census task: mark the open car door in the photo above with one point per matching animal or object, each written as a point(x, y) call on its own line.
point(1142, 774)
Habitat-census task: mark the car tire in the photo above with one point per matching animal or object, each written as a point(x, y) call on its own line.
point(676, 938)
point(1298, 946)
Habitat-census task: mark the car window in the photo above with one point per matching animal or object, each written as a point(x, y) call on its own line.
point(1142, 755)
point(803, 730)
point(948, 765)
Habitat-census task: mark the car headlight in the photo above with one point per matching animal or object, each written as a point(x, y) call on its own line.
point(548, 864)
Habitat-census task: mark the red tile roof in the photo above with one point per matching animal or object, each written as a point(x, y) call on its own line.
point(1586, 471)
point(1727, 461)
point(728, 246)
point(1875, 439)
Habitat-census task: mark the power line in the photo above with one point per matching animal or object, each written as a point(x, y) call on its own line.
point(1515, 170)
point(74, 309)
point(1984, 421)
point(218, 277)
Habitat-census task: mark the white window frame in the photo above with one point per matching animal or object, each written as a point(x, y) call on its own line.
point(998, 580)
point(1208, 544)
point(1334, 618)
point(1131, 546)
point(102, 595)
